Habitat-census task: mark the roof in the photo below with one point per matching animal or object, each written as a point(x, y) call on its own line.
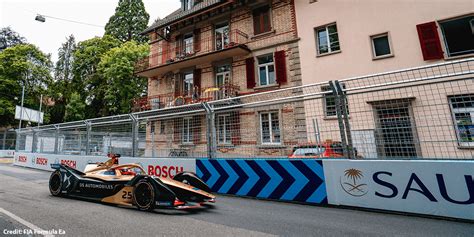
point(179, 14)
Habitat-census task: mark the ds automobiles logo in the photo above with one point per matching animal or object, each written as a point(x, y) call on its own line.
point(351, 184)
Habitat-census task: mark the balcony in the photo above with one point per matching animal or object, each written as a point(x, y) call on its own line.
point(191, 97)
point(190, 53)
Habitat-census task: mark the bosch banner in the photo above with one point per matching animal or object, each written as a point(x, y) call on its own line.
point(441, 188)
point(162, 167)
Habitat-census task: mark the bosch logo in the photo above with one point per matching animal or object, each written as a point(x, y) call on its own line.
point(41, 161)
point(70, 163)
point(164, 171)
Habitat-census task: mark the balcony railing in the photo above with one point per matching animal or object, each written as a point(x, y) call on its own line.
point(188, 97)
point(170, 52)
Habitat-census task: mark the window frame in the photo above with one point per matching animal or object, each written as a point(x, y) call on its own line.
point(270, 124)
point(441, 32)
point(227, 119)
point(187, 124)
point(188, 43)
point(188, 4)
point(259, 11)
point(267, 71)
point(385, 34)
point(330, 51)
point(469, 110)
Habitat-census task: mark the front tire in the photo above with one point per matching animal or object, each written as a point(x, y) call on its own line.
point(144, 195)
point(55, 183)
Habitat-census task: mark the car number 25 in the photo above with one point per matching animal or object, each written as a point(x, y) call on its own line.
point(127, 195)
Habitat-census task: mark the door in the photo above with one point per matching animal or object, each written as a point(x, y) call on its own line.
point(222, 81)
point(222, 36)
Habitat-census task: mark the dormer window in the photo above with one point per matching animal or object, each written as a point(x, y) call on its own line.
point(188, 4)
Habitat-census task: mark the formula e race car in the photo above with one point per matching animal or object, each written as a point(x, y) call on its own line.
point(129, 185)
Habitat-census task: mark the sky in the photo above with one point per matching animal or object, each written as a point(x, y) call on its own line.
point(48, 36)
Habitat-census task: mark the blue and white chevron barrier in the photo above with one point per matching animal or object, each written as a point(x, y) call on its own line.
point(289, 180)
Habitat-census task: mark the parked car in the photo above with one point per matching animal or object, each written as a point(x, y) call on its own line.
point(327, 149)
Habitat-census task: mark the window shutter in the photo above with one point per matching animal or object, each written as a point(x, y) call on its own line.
point(177, 84)
point(197, 78)
point(250, 68)
point(280, 64)
point(164, 51)
point(429, 41)
point(235, 128)
point(256, 23)
point(196, 128)
point(197, 40)
point(178, 45)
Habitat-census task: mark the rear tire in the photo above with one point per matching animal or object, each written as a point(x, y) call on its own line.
point(55, 183)
point(144, 195)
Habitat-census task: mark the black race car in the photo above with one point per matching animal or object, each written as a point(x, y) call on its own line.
point(128, 185)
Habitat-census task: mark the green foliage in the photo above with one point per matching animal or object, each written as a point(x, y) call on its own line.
point(87, 81)
point(129, 20)
point(122, 86)
point(75, 109)
point(10, 38)
point(61, 89)
point(22, 64)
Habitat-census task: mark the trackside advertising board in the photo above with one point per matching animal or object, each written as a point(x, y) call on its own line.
point(440, 188)
point(161, 167)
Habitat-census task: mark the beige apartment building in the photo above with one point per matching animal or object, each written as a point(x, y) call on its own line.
point(212, 50)
point(346, 39)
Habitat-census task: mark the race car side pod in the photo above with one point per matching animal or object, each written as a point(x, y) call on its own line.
point(192, 179)
point(164, 196)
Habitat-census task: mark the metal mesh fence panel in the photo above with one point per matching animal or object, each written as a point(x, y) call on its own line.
point(422, 112)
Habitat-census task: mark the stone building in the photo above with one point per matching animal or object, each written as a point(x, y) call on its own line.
point(213, 50)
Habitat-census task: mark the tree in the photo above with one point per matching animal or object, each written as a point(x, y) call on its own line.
point(75, 109)
point(117, 67)
point(10, 38)
point(22, 65)
point(87, 81)
point(61, 89)
point(129, 20)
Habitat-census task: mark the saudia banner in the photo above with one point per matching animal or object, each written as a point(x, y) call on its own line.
point(441, 188)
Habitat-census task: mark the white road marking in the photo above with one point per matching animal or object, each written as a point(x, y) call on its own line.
point(24, 222)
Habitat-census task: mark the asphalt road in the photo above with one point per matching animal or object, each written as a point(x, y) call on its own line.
point(25, 201)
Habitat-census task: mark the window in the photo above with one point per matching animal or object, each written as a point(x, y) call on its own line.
point(327, 39)
point(462, 108)
point(162, 127)
point(270, 128)
point(381, 46)
point(222, 36)
point(186, 135)
point(152, 127)
point(261, 20)
point(266, 70)
point(188, 43)
point(222, 81)
point(329, 102)
point(188, 4)
point(223, 129)
point(188, 84)
point(458, 36)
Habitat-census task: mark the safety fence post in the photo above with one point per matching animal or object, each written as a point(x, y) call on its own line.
point(34, 141)
point(134, 134)
point(56, 139)
point(342, 113)
point(211, 131)
point(4, 139)
point(88, 136)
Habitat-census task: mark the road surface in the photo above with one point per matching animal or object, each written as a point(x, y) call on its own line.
point(25, 203)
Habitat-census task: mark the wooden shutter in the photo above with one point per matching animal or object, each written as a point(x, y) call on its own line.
point(197, 78)
point(429, 41)
point(280, 64)
point(177, 84)
point(235, 128)
point(256, 23)
point(250, 68)
point(178, 45)
point(197, 40)
point(196, 129)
